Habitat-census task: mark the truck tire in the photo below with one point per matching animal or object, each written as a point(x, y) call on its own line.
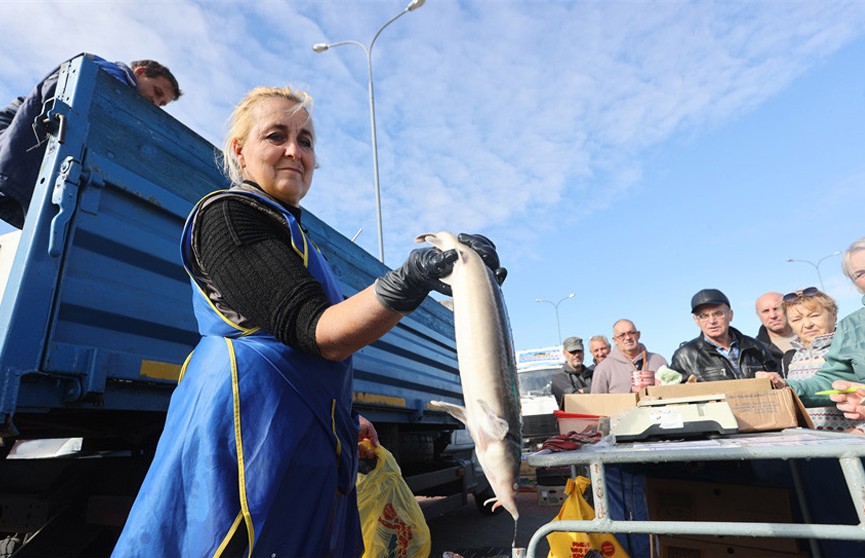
point(416, 448)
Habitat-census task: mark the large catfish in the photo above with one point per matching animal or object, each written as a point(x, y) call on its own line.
point(488, 372)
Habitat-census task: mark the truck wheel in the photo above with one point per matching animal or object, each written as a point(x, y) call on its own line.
point(416, 448)
point(483, 496)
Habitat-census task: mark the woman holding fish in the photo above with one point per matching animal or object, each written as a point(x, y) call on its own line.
point(258, 453)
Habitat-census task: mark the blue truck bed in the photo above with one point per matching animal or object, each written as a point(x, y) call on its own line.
point(97, 312)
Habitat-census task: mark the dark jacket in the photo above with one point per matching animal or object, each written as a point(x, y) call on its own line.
point(23, 140)
point(700, 358)
point(763, 337)
point(568, 380)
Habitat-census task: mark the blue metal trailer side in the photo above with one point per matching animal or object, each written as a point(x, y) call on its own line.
point(96, 318)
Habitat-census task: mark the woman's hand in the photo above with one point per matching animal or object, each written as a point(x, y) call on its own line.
point(487, 251)
point(367, 432)
point(405, 288)
point(851, 404)
point(776, 379)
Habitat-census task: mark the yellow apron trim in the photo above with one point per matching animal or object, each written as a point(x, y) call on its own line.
point(229, 535)
point(303, 253)
point(241, 468)
point(333, 427)
point(184, 367)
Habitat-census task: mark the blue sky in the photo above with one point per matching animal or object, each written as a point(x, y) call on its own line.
point(629, 152)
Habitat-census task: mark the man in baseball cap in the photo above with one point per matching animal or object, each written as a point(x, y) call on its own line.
point(721, 352)
point(574, 377)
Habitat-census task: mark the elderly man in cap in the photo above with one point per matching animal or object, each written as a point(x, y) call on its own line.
point(574, 377)
point(720, 352)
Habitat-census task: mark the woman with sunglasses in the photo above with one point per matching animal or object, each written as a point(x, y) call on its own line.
point(813, 314)
point(844, 366)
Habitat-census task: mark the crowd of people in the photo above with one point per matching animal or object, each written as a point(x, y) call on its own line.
point(799, 344)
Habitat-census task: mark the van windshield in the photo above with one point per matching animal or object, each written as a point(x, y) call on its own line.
point(537, 382)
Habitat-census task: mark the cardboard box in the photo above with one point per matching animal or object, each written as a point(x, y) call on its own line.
point(613, 405)
point(755, 404)
point(676, 547)
point(681, 500)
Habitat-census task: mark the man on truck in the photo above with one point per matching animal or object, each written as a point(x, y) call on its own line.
point(23, 140)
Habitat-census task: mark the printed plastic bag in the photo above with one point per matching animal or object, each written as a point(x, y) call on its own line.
point(390, 517)
point(579, 545)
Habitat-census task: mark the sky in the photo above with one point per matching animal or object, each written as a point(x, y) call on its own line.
point(631, 153)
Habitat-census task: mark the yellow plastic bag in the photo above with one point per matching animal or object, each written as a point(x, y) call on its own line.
point(577, 545)
point(392, 522)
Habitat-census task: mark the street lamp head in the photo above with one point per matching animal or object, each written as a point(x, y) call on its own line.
point(320, 47)
point(789, 260)
point(538, 300)
point(415, 4)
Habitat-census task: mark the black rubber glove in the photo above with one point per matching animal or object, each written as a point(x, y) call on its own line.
point(405, 288)
point(487, 251)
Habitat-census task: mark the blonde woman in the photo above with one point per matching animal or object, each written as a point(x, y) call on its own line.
point(259, 452)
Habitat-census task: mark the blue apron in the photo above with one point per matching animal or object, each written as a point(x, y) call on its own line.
point(259, 438)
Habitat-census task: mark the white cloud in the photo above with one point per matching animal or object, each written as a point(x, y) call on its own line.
point(488, 113)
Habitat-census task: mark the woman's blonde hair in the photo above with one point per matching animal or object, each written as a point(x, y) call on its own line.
point(241, 121)
point(812, 303)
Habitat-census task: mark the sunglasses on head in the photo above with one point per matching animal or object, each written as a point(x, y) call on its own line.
point(804, 293)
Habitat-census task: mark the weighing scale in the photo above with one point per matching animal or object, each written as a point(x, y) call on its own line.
point(679, 417)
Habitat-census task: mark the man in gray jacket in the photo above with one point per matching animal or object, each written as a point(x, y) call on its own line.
point(614, 374)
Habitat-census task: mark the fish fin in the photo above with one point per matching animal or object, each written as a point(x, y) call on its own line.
point(495, 426)
point(456, 411)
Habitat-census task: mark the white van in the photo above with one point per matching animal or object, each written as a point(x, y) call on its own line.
point(536, 368)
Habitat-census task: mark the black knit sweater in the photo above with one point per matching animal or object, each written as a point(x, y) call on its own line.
point(245, 251)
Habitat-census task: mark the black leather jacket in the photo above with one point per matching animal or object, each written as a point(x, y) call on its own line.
point(699, 357)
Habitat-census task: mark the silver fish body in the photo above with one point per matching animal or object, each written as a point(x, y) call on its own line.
point(488, 371)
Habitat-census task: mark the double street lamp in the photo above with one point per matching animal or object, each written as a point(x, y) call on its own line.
point(556, 306)
point(321, 47)
point(816, 266)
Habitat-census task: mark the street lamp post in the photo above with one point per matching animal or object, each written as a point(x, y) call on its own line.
point(321, 47)
point(816, 266)
point(556, 306)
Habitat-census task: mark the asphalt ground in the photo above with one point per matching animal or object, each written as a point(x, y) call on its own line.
point(471, 534)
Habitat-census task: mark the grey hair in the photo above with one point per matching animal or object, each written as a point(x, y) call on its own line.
point(846, 263)
point(600, 338)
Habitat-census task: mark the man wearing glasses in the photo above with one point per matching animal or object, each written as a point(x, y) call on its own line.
point(574, 377)
point(629, 364)
point(721, 352)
